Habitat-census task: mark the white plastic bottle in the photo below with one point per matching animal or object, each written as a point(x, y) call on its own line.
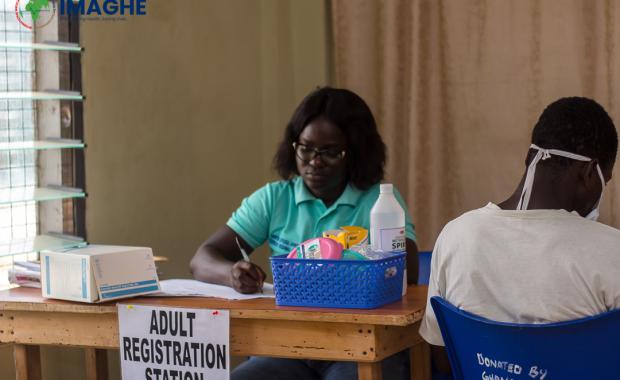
point(387, 222)
point(387, 225)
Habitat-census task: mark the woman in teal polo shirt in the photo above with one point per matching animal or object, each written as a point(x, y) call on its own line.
point(331, 161)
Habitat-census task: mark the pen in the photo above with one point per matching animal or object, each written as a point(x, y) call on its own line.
point(246, 258)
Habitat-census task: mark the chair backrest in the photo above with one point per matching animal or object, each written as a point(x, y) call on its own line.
point(424, 267)
point(587, 348)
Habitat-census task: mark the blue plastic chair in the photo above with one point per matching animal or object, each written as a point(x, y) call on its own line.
point(478, 348)
point(424, 267)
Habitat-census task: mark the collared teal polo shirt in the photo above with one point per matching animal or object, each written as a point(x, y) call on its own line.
point(285, 214)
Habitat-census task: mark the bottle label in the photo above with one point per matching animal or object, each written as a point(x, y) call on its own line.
point(311, 249)
point(392, 239)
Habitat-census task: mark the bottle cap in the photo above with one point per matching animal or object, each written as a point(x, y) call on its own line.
point(386, 188)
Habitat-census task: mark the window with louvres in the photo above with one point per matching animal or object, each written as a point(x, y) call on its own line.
point(41, 137)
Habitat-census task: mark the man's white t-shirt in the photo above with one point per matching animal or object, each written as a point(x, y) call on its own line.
point(531, 266)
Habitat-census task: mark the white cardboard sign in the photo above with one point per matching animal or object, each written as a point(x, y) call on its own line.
point(158, 343)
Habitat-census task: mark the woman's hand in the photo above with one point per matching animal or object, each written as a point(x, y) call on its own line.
point(219, 261)
point(246, 277)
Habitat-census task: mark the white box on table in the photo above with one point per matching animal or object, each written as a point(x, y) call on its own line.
point(98, 273)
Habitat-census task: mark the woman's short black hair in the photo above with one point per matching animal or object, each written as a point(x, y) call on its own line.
point(345, 109)
point(577, 125)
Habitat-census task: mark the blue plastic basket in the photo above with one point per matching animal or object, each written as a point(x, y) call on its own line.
point(352, 284)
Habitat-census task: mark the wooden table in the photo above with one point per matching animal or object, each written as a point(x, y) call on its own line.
point(257, 327)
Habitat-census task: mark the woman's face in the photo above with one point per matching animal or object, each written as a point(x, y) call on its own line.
point(324, 173)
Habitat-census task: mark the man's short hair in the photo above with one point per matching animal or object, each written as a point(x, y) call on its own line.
point(578, 125)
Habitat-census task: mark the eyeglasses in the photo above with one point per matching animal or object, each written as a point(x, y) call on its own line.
point(307, 153)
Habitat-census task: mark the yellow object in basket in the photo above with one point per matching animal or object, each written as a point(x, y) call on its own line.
point(341, 236)
point(355, 235)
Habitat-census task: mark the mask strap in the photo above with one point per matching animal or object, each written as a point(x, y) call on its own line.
point(600, 174)
point(524, 200)
point(544, 154)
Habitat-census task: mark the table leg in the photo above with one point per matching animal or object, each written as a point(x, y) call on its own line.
point(96, 364)
point(369, 371)
point(27, 362)
point(420, 359)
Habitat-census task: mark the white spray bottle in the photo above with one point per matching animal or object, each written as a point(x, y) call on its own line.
point(387, 225)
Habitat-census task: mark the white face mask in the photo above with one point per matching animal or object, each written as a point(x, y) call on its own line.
point(594, 214)
point(531, 171)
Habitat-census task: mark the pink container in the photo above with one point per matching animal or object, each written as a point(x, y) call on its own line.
point(317, 248)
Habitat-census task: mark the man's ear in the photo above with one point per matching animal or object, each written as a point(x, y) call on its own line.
point(529, 157)
point(589, 173)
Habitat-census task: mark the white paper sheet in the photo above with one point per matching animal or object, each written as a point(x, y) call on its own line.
point(193, 288)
